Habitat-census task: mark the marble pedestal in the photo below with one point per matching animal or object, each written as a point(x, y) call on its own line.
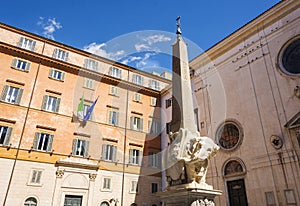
point(187, 195)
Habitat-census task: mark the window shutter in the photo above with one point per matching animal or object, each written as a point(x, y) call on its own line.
point(85, 64)
point(86, 149)
point(27, 66)
point(19, 96)
point(131, 122)
point(131, 156)
point(50, 141)
point(117, 119)
point(51, 71)
point(134, 78)
point(63, 75)
point(110, 113)
point(55, 53)
point(4, 92)
point(36, 140)
point(7, 136)
point(44, 104)
point(142, 80)
point(38, 176)
point(67, 56)
point(104, 151)
point(96, 66)
point(57, 105)
point(14, 63)
point(140, 157)
point(20, 42)
point(33, 45)
point(141, 124)
point(114, 157)
point(74, 146)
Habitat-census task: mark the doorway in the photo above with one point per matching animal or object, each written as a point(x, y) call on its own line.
point(72, 200)
point(237, 193)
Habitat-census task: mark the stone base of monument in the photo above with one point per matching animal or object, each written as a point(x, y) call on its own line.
point(189, 195)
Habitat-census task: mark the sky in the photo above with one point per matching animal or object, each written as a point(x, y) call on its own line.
point(138, 33)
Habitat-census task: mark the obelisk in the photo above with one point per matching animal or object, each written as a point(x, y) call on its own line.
point(182, 100)
point(186, 157)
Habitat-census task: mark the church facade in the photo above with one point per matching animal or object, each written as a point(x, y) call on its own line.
point(246, 89)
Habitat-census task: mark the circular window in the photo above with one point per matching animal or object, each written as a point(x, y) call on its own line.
point(290, 58)
point(229, 135)
point(104, 204)
point(233, 167)
point(31, 201)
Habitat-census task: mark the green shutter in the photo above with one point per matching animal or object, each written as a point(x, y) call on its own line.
point(19, 96)
point(14, 63)
point(7, 136)
point(141, 124)
point(104, 150)
point(114, 157)
point(4, 92)
point(117, 119)
point(55, 53)
point(27, 68)
point(33, 45)
point(50, 142)
point(131, 122)
point(66, 57)
point(86, 149)
point(44, 104)
point(36, 140)
point(63, 76)
point(38, 177)
point(20, 42)
point(51, 71)
point(74, 146)
point(57, 105)
point(85, 64)
point(96, 66)
point(110, 117)
point(131, 156)
point(140, 157)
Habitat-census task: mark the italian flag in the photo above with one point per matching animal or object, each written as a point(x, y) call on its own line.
point(80, 109)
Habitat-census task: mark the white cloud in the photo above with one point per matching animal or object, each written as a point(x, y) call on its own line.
point(155, 39)
point(49, 26)
point(130, 59)
point(144, 60)
point(99, 49)
point(142, 47)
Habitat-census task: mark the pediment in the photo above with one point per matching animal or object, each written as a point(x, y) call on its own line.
point(293, 122)
point(77, 163)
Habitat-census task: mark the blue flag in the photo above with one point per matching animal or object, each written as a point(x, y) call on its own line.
point(90, 110)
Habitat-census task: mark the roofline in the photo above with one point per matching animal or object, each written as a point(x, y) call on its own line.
point(103, 59)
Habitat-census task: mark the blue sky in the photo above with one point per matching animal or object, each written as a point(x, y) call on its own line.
point(135, 32)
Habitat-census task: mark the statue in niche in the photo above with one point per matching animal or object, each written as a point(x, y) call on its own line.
point(187, 158)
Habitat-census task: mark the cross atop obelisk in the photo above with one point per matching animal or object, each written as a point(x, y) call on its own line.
point(182, 107)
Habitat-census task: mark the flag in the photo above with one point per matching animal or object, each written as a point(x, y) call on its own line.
point(80, 109)
point(90, 110)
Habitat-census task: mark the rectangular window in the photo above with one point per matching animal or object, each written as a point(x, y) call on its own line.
point(80, 148)
point(56, 74)
point(113, 117)
point(85, 110)
point(270, 198)
point(168, 127)
point(73, 200)
point(43, 142)
point(25, 43)
point(134, 187)
point(36, 176)
point(20, 64)
point(106, 183)
point(154, 126)
point(290, 197)
point(109, 152)
point(138, 79)
point(51, 103)
point(91, 64)
point(168, 102)
point(113, 91)
point(5, 133)
point(154, 187)
point(136, 123)
point(11, 94)
point(115, 72)
point(89, 83)
point(153, 101)
point(154, 159)
point(154, 84)
point(60, 55)
point(137, 97)
point(135, 157)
